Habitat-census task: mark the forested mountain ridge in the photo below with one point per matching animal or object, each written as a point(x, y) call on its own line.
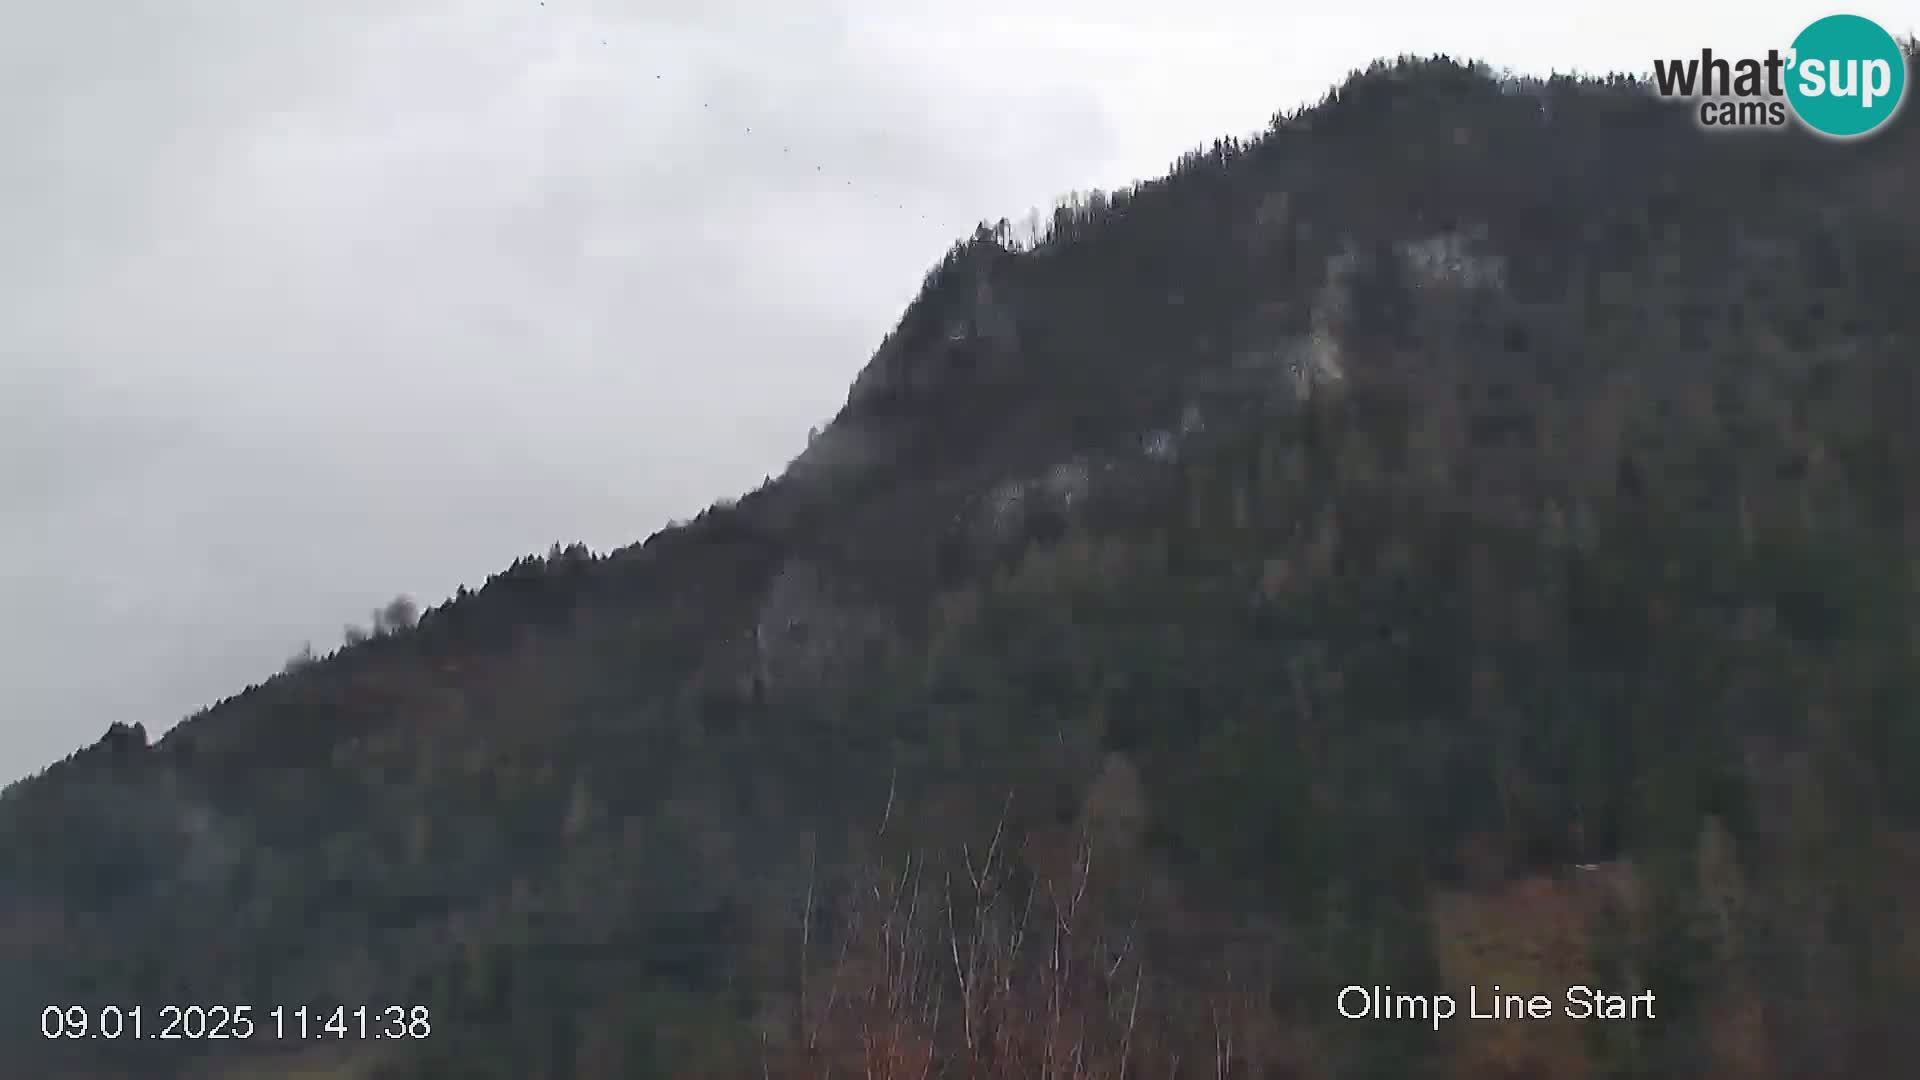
point(1462, 536)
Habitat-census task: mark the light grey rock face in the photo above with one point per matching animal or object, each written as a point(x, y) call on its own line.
point(1275, 364)
point(809, 630)
point(1067, 490)
point(1003, 512)
point(1067, 484)
point(1160, 445)
point(1319, 360)
point(1438, 264)
point(1454, 260)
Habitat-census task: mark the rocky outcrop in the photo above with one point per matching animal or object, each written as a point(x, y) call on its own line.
point(811, 629)
point(962, 334)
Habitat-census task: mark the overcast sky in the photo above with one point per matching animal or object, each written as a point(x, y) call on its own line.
point(299, 311)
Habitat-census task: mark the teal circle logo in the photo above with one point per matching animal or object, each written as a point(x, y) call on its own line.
point(1848, 76)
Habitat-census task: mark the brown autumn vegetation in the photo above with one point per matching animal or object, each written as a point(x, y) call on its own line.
point(1000, 961)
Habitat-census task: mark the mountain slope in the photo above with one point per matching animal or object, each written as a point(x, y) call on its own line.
point(1337, 544)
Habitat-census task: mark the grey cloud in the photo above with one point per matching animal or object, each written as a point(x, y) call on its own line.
point(300, 311)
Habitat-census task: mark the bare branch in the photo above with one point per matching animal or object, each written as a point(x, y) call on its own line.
point(1133, 1015)
point(886, 815)
point(806, 941)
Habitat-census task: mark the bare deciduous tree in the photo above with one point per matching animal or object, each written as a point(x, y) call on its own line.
point(989, 967)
